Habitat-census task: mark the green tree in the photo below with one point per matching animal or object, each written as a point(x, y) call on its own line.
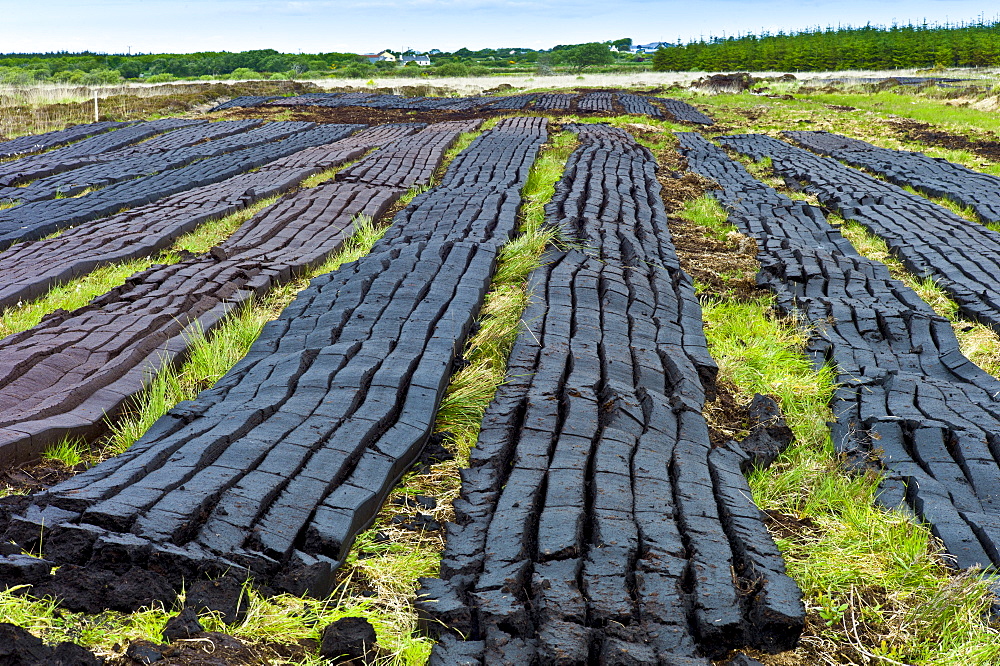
point(586, 55)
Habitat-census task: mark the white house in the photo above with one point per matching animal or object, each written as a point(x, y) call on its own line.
point(421, 60)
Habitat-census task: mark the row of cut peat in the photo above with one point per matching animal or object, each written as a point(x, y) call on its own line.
point(597, 524)
point(908, 401)
point(278, 466)
point(607, 102)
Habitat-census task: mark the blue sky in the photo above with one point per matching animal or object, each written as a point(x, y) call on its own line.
point(311, 26)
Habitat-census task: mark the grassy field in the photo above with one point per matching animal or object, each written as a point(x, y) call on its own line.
point(876, 582)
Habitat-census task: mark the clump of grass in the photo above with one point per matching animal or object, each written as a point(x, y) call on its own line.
point(875, 583)
point(44, 618)
point(707, 212)
point(70, 452)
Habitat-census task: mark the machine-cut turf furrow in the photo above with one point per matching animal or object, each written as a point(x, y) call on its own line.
point(636, 105)
point(963, 257)
point(683, 112)
point(597, 102)
point(116, 168)
point(275, 469)
point(96, 149)
point(411, 161)
point(31, 221)
point(27, 270)
point(597, 524)
point(34, 143)
point(933, 176)
point(554, 101)
point(908, 402)
point(603, 102)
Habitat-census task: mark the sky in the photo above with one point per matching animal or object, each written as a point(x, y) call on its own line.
point(356, 26)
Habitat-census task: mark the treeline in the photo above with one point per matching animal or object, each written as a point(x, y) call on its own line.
point(870, 47)
point(93, 68)
point(96, 68)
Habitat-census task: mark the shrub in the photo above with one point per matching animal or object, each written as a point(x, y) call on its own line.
point(100, 76)
point(244, 73)
point(452, 69)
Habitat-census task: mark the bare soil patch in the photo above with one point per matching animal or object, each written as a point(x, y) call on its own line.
point(216, 649)
point(37, 476)
point(918, 132)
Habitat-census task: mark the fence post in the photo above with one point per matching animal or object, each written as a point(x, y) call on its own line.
point(95, 105)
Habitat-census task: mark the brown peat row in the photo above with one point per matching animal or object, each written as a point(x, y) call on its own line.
point(597, 524)
point(593, 102)
point(91, 150)
point(34, 220)
point(908, 402)
point(126, 164)
point(66, 375)
point(411, 161)
point(963, 257)
point(24, 145)
point(274, 470)
point(933, 176)
point(28, 270)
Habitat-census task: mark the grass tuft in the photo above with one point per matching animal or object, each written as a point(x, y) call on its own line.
point(69, 452)
point(707, 212)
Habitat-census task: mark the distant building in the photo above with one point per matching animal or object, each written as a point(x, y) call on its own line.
point(421, 60)
point(649, 48)
point(613, 48)
point(384, 56)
